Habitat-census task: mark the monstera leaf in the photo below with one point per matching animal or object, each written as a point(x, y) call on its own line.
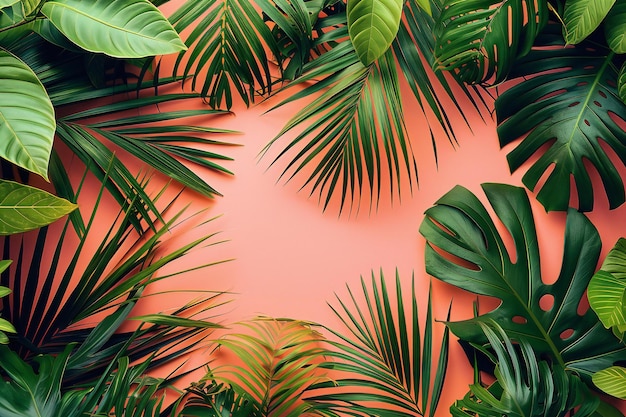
point(525, 386)
point(544, 315)
point(567, 100)
point(481, 40)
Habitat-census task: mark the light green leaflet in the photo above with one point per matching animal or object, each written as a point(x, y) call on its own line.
point(372, 25)
point(581, 17)
point(23, 208)
point(27, 121)
point(119, 28)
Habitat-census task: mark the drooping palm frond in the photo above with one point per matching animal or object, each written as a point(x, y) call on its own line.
point(354, 131)
point(385, 362)
point(280, 360)
point(226, 50)
point(85, 91)
point(525, 385)
point(210, 399)
point(84, 296)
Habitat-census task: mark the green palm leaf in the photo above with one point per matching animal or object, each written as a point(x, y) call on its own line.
point(26, 115)
point(385, 361)
point(459, 225)
point(566, 99)
point(525, 386)
point(280, 361)
point(355, 134)
point(213, 400)
point(480, 40)
point(227, 49)
point(79, 284)
point(372, 25)
point(24, 208)
point(582, 17)
point(119, 28)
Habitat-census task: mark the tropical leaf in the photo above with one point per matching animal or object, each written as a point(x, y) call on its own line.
point(372, 25)
point(119, 28)
point(612, 381)
point(7, 3)
point(385, 361)
point(479, 41)
point(5, 326)
point(621, 83)
point(582, 17)
point(352, 133)
point(27, 128)
point(29, 6)
point(24, 208)
point(525, 386)
point(70, 294)
point(544, 315)
point(567, 100)
point(615, 27)
point(227, 49)
point(607, 289)
point(212, 400)
point(280, 361)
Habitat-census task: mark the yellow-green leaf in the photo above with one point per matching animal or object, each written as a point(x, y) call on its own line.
point(612, 381)
point(23, 208)
point(615, 28)
point(373, 25)
point(168, 320)
point(582, 17)
point(607, 288)
point(27, 122)
point(119, 28)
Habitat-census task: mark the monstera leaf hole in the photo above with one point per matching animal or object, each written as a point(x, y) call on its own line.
point(546, 302)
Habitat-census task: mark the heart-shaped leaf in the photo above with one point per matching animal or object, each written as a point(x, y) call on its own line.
point(27, 121)
point(373, 25)
point(565, 108)
point(545, 315)
point(25, 208)
point(581, 17)
point(119, 28)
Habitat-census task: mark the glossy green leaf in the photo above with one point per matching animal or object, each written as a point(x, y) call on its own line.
point(607, 289)
point(544, 315)
point(479, 41)
point(5, 326)
point(615, 28)
point(372, 25)
point(119, 28)
point(565, 109)
point(171, 320)
point(4, 264)
point(210, 399)
point(25, 208)
point(525, 386)
point(425, 5)
point(582, 17)
point(26, 116)
point(7, 3)
point(612, 381)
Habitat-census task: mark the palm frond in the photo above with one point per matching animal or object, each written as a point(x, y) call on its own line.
point(385, 362)
point(280, 361)
point(226, 50)
point(64, 301)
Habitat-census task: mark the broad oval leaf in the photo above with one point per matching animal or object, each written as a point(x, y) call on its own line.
point(119, 28)
point(372, 25)
point(581, 17)
point(480, 40)
point(607, 289)
point(24, 208)
point(7, 3)
point(566, 107)
point(27, 120)
point(615, 28)
point(612, 380)
point(544, 315)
